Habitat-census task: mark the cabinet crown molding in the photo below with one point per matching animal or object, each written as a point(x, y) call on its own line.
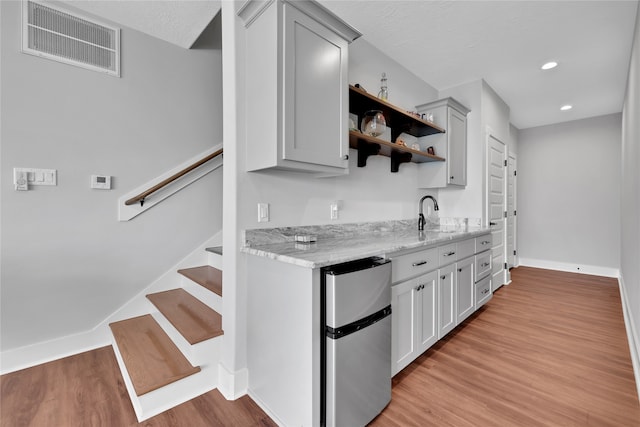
point(250, 10)
point(448, 102)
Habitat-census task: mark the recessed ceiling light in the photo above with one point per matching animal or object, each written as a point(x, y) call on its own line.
point(566, 107)
point(549, 65)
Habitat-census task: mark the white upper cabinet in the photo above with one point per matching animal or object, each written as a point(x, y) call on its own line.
point(452, 116)
point(296, 78)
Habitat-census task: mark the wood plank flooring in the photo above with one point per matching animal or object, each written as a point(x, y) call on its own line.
point(87, 390)
point(548, 350)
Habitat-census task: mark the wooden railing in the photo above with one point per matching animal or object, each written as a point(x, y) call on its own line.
point(142, 196)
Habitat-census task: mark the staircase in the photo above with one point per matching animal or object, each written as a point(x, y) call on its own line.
point(170, 355)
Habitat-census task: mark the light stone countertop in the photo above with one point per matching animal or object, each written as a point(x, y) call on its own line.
point(348, 242)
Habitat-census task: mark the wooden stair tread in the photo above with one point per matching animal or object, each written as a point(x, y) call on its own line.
point(191, 317)
point(215, 250)
point(207, 276)
point(151, 358)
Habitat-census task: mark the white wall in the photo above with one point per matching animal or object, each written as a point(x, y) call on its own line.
point(569, 196)
point(630, 203)
point(66, 262)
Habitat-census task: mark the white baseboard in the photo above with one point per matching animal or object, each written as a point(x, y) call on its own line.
point(265, 408)
point(594, 270)
point(100, 335)
point(632, 333)
point(232, 385)
point(43, 352)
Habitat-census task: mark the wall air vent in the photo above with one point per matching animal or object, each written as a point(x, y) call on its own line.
point(52, 33)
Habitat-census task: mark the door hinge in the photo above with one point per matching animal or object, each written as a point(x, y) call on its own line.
point(515, 173)
point(514, 253)
point(505, 163)
point(505, 266)
point(515, 213)
point(505, 214)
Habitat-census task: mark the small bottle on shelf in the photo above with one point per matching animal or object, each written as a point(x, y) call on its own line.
point(384, 93)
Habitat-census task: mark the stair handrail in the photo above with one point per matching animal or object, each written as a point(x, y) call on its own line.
point(142, 196)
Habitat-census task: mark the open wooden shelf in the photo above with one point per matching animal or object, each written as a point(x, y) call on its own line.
point(370, 146)
point(398, 121)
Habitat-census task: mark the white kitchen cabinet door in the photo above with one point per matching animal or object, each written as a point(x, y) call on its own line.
point(447, 300)
point(315, 92)
point(296, 62)
point(414, 310)
point(403, 324)
point(465, 284)
point(457, 160)
point(452, 116)
point(427, 330)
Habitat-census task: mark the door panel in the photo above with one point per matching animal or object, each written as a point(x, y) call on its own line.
point(496, 197)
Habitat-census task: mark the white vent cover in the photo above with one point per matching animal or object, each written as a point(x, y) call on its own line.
point(52, 33)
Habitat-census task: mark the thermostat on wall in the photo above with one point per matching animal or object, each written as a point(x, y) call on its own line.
point(101, 182)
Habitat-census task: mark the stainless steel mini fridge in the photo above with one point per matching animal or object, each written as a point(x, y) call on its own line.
point(356, 360)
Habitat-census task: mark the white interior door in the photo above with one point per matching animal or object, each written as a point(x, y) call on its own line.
point(496, 201)
point(511, 211)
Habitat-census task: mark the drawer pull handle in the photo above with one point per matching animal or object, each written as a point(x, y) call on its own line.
point(449, 253)
point(485, 264)
point(485, 242)
point(419, 263)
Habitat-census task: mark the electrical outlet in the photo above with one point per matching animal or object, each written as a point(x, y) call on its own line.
point(263, 212)
point(334, 210)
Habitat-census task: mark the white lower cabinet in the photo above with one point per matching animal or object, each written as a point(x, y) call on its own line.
point(465, 283)
point(447, 300)
point(426, 308)
point(414, 309)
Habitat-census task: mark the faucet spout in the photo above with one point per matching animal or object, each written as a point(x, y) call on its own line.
point(421, 219)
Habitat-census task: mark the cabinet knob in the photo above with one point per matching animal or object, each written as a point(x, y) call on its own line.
point(345, 157)
point(443, 277)
point(459, 270)
point(451, 177)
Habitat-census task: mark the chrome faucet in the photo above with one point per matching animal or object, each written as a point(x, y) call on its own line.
point(421, 220)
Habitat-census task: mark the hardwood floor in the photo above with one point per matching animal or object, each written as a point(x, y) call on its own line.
point(548, 350)
point(87, 390)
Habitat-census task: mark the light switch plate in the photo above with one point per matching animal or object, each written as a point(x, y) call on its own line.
point(36, 176)
point(263, 212)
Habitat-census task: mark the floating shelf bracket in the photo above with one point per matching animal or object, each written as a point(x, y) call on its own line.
point(366, 149)
point(397, 158)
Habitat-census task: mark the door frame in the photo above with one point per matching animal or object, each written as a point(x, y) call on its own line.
point(513, 171)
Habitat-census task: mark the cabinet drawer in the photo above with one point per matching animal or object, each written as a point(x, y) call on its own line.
point(464, 249)
point(483, 243)
point(483, 291)
point(447, 254)
point(413, 264)
point(483, 264)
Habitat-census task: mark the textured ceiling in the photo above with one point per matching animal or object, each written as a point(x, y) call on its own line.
point(179, 21)
point(448, 43)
